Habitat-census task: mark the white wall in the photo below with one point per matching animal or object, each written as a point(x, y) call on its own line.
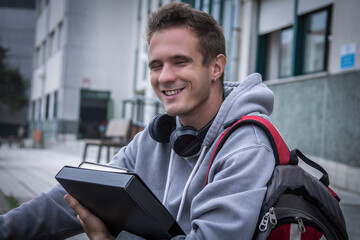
point(305, 6)
point(100, 47)
point(345, 31)
point(275, 14)
point(41, 30)
point(53, 72)
point(57, 12)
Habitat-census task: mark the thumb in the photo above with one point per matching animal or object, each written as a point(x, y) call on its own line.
point(76, 206)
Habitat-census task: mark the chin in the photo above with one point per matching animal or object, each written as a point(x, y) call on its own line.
point(170, 113)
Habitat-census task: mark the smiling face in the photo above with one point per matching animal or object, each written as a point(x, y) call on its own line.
point(180, 79)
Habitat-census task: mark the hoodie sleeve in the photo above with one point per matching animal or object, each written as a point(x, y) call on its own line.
point(229, 206)
point(47, 216)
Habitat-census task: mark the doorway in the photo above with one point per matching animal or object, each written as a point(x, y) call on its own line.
point(94, 113)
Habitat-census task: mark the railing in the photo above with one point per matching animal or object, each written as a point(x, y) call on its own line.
point(140, 108)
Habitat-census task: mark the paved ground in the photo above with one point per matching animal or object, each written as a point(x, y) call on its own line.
point(26, 172)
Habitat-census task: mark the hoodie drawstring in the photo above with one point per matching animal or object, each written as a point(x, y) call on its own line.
point(196, 167)
point(168, 177)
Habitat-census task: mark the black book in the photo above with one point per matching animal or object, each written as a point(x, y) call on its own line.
point(121, 200)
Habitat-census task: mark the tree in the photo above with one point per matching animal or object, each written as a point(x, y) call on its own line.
point(13, 86)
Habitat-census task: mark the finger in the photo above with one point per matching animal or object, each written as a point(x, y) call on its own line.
point(80, 221)
point(93, 226)
point(76, 206)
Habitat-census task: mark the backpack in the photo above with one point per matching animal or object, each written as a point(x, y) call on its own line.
point(297, 205)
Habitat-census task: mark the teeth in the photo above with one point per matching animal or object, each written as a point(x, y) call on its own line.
point(172, 92)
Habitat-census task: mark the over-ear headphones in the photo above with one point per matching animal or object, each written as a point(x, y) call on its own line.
point(185, 141)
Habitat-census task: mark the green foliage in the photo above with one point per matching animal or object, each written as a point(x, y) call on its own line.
point(13, 203)
point(12, 85)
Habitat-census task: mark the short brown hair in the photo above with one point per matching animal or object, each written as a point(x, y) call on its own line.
point(207, 29)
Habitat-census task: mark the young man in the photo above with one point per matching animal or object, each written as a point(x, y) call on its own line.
point(187, 61)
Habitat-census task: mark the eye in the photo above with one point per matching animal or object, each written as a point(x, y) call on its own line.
point(155, 66)
point(180, 62)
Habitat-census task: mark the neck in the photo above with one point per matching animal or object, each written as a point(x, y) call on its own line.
point(203, 116)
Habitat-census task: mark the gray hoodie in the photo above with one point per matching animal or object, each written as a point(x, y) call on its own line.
point(227, 208)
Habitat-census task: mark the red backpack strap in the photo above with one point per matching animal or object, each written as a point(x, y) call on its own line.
point(280, 149)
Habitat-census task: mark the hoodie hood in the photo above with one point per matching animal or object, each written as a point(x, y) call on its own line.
point(242, 98)
point(248, 96)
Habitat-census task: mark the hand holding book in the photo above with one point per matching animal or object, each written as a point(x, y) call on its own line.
point(121, 200)
point(92, 225)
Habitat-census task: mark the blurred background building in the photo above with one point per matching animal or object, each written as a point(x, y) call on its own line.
point(17, 33)
point(84, 53)
point(90, 65)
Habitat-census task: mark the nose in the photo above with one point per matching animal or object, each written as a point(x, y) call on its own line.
point(167, 74)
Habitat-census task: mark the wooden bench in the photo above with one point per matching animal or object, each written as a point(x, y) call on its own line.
point(116, 135)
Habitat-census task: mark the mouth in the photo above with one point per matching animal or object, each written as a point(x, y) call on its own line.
point(172, 92)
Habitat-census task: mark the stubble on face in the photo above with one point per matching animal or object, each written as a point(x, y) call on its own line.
point(178, 75)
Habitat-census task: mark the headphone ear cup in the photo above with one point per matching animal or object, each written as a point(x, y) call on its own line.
point(185, 141)
point(161, 127)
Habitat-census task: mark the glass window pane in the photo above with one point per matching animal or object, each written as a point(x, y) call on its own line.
point(206, 6)
point(215, 10)
point(47, 105)
point(59, 36)
point(227, 22)
point(50, 45)
point(39, 112)
point(286, 45)
point(55, 104)
point(315, 42)
point(43, 58)
point(33, 106)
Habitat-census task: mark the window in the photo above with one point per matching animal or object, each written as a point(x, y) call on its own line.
point(296, 50)
point(37, 57)
point(33, 108)
point(55, 109)
point(206, 6)
point(42, 53)
point(286, 45)
point(39, 109)
point(315, 34)
point(39, 7)
point(59, 35)
point(50, 49)
point(47, 104)
point(216, 9)
point(148, 7)
point(223, 12)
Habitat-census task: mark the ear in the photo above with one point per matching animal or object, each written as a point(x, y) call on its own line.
point(218, 66)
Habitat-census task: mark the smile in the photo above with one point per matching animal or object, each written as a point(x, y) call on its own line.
point(172, 92)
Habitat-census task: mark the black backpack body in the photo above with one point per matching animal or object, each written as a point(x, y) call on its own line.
point(297, 205)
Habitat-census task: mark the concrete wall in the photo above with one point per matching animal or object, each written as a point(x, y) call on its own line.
point(320, 116)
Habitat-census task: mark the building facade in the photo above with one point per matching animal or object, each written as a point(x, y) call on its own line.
point(91, 64)
point(84, 51)
point(309, 56)
point(17, 34)
point(307, 53)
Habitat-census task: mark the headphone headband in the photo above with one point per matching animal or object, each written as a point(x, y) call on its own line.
point(185, 141)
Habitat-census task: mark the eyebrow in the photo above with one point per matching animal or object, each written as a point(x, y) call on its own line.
point(175, 57)
point(182, 57)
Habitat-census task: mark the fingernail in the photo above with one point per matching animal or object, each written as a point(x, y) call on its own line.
point(67, 198)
